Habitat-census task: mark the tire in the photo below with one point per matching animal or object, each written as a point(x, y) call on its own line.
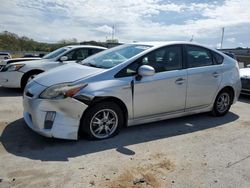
point(26, 78)
point(222, 103)
point(102, 121)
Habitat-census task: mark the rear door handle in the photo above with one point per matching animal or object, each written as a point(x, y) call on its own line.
point(180, 81)
point(216, 74)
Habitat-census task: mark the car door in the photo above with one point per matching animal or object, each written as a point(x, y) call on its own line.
point(204, 77)
point(165, 91)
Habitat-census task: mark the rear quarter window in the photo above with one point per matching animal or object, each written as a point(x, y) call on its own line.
point(218, 59)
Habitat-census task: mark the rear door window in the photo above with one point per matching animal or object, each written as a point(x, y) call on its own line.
point(198, 56)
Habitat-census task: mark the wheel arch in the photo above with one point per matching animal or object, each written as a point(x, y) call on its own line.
point(27, 74)
point(115, 100)
point(231, 91)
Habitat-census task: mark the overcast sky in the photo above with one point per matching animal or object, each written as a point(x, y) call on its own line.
point(134, 20)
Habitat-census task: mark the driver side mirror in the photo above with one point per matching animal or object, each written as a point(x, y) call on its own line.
point(145, 70)
point(63, 58)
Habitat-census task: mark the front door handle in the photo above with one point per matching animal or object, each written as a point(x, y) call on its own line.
point(180, 81)
point(216, 74)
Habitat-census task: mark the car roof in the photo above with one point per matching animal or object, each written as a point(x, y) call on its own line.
point(163, 43)
point(85, 46)
point(158, 44)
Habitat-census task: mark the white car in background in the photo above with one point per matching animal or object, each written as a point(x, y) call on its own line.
point(16, 75)
point(5, 62)
point(4, 56)
point(245, 80)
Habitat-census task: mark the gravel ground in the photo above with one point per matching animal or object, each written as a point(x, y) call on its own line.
point(195, 151)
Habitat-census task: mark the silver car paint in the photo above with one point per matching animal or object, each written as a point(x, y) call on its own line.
point(71, 72)
point(203, 84)
point(141, 103)
point(159, 93)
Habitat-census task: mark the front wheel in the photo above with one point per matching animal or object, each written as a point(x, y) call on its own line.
point(222, 103)
point(28, 77)
point(102, 121)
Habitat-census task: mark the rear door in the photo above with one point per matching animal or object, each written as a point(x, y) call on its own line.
point(204, 77)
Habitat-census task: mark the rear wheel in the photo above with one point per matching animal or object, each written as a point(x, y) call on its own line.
point(102, 121)
point(222, 103)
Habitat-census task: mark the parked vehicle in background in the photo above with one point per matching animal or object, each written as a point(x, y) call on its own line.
point(130, 84)
point(245, 80)
point(16, 75)
point(232, 55)
point(4, 55)
point(14, 60)
point(34, 56)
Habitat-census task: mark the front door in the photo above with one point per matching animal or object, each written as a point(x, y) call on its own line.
point(165, 91)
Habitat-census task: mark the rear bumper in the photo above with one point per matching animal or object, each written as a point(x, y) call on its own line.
point(11, 79)
point(67, 119)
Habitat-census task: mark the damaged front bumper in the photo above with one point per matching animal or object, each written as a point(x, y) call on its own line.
point(53, 118)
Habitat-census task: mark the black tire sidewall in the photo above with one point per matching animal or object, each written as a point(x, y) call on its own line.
point(215, 111)
point(88, 115)
point(24, 83)
point(25, 80)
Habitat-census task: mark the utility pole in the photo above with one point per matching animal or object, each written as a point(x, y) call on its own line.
point(113, 32)
point(192, 38)
point(222, 37)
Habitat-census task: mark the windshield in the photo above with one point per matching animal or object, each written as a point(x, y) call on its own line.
point(115, 56)
point(55, 53)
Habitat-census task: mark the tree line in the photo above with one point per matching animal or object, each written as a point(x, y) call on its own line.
point(12, 42)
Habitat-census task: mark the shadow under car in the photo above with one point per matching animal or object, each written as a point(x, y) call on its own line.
point(19, 140)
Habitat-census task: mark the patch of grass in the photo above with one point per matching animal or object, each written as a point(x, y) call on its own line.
point(244, 59)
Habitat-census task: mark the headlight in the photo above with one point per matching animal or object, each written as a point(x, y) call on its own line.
point(14, 67)
point(61, 91)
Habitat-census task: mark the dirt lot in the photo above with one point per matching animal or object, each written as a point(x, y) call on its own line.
point(196, 151)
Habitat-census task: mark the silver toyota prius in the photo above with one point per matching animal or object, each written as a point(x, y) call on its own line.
point(130, 84)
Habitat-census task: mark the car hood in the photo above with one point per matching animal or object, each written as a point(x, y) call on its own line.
point(33, 62)
point(66, 73)
point(245, 72)
point(18, 60)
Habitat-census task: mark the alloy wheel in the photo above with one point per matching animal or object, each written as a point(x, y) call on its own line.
point(223, 102)
point(103, 123)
